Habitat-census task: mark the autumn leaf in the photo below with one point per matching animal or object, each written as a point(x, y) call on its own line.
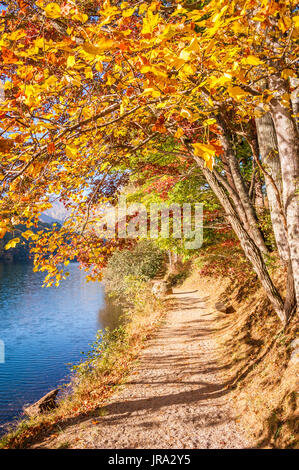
point(102, 46)
point(179, 133)
point(129, 12)
point(6, 145)
point(12, 243)
point(287, 73)
point(51, 147)
point(201, 149)
point(284, 23)
point(237, 93)
point(193, 46)
point(82, 17)
point(71, 151)
point(70, 61)
point(251, 60)
point(53, 10)
point(8, 57)
point(27, 234)
point(206, 152)
point(150, 22)
point(152, 92)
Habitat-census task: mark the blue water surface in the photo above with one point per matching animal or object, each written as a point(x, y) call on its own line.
point(43, 330)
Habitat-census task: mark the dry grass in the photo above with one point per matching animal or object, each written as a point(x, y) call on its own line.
point(256, 360)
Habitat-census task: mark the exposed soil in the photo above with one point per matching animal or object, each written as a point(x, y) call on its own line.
point(175, 398)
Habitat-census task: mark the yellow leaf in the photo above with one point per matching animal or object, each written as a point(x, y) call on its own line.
point(27, 234)
point(2, 232)
point(143, 7)
point(40, 42)
point(152, 92)
point(53, 10)
point(98, 49)
point(237, 27)
point(206, 152)
point(285, 99)
point(194, 46)
point(71, 151)
point(129, 12)
point(284, 23)
point(259, 18)
point(70, 61)
point(237, 93)
point(204, 149)
point(145, 69)
point(210, 163)
point(99, 66)
point(188, 69)
point(12, 243)
point(215, 82)
point(150, 22)
point(80, 17)
point(184, 55)
point(209, 122)
point(89, 73)
point(185, 113)
point(252, 60)
point(179, 133)
point(180, 10)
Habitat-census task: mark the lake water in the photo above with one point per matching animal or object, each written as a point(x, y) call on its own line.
point(43, 330)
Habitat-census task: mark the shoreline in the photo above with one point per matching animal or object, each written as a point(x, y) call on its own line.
point(44, 332)
point(122, 346)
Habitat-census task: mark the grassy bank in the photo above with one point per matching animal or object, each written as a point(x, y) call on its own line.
point(106, 366)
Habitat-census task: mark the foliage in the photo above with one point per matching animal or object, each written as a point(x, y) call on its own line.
point(21, 251)
point(99, 93)
point(99, 355)
point(128, 267)
point(223, 259)
point(266, 226)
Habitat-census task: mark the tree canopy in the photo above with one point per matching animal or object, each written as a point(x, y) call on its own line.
point(98, 93)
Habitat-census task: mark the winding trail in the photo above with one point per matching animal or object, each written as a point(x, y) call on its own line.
point(175, 398)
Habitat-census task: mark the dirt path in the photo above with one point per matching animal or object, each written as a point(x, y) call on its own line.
point(176, 398)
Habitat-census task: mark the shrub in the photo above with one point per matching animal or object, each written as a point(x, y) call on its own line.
point(142, 263)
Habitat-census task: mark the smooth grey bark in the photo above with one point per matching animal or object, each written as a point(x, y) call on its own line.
point(270, 161)
point(294, 81)
point(290, 299)
point(252, 252)
point(288, 146)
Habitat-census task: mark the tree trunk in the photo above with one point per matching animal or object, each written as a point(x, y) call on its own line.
point(259, 198)
point(294, 81)
point(251, 250)
point(241, 188)
point(288, 145)
point(270, 160)
point(290, 300)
